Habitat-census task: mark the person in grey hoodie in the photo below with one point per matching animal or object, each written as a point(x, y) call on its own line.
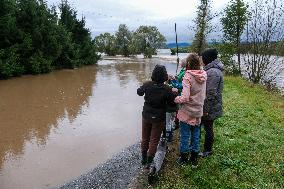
point(212, 108)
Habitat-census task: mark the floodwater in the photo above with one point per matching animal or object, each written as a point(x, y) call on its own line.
point(57, 126)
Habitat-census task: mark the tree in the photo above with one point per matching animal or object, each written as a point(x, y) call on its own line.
point(234, 21)
point(226, 55)
point(106, 43)
point(146, 40)
point(264, 31)
point(202, 26)
point(123, 39)
point(80, 49)
point(10, 37)
point(33, 40)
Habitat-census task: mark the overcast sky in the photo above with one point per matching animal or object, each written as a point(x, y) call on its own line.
point(105, 15)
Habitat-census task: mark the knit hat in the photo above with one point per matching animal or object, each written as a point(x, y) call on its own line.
point(209, 55)
point(159, 74)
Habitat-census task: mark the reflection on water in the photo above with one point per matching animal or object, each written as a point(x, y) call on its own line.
point(57, 126)
point(31, 106)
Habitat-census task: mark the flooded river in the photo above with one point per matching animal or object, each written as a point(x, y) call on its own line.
point(57, 126)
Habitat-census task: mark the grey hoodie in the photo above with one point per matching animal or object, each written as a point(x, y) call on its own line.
point(212, 108)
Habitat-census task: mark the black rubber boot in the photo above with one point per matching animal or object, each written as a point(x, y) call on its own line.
point(183, 159)
point(194, 159)
point(150, 160)
point(144, 158)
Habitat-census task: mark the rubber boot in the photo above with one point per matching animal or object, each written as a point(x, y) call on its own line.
point(194, 159)
point(183, 159)
point(144, 158)
point(150, 160)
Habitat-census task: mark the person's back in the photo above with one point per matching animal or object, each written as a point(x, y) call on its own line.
point(193, 106)
point(215, 83)
point(212, 108)
point(157, 96)
point(191, 110)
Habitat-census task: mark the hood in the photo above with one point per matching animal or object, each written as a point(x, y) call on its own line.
point(159, 74)
point(214, 64)
point(199, 75)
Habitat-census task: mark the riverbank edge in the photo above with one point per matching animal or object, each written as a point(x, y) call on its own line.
point(117, 172)
point(236, 163)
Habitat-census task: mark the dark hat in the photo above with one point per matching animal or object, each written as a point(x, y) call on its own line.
point(159, 74)
point(209, 55)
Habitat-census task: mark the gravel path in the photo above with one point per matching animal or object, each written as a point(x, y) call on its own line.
point(116, 173)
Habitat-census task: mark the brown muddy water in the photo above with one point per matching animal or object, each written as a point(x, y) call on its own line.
point(57, 126)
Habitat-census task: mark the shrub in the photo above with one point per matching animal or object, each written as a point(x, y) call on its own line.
point(9, 63)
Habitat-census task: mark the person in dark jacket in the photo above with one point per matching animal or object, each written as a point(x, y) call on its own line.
point(157, 97)
point(212, 108)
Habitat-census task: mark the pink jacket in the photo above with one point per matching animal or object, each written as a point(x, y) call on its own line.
point(192, 98)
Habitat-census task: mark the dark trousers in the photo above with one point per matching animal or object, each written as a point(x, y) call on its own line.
point(151, 134)
point(209, 134)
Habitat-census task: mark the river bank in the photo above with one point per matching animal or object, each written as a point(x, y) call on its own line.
point(118, 172)
point(248, 151)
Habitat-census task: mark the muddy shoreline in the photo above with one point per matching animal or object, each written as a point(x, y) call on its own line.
point(118, 172)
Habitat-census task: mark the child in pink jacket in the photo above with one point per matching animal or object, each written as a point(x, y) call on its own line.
point(191, 109)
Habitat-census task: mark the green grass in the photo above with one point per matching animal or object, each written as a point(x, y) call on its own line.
point(248, 148)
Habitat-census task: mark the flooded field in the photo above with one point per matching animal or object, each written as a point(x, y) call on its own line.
point(57, 126)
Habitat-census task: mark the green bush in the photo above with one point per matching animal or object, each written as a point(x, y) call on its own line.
point(226, 55)
point(9, 64)
point(180, 50)
point(39, 64)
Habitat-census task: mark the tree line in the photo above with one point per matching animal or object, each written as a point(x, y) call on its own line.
point(35, 38)
point(253, 32)
point(144, 40)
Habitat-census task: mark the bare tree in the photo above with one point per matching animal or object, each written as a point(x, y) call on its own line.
point(264, 33)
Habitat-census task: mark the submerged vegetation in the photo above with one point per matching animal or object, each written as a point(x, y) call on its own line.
point(248, 151)
point(180, 50)
point(35, 38)
point(145, 40)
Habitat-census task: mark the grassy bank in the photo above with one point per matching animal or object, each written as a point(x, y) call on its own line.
point(249, 144)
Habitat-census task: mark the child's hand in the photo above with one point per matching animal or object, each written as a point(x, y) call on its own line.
point(175, 90)
point(171, 77)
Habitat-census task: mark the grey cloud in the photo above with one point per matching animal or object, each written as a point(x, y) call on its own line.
point(106, 15)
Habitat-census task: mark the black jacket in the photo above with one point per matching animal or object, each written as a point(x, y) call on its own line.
point(158, 97)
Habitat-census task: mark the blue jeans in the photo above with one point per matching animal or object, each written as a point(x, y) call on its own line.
point(192, 134)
